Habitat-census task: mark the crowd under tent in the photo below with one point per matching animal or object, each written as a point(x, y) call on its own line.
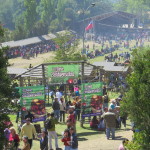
point(108, 68)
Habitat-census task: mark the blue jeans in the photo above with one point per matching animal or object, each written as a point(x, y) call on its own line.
point(73, 148)
point(112, 132)
point(67, 148)
point(57, 114)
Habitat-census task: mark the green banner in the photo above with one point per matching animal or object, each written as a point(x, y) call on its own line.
point(91, 98)
point(32, 99)
point(62, 73)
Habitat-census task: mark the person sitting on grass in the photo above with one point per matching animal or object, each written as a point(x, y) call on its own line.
point(66, 139)
point(94, 122)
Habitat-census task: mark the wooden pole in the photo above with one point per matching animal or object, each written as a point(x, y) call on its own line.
point(82, 81)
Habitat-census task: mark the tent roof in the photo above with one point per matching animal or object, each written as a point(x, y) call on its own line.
point(103, 63)
point(116, 68)
point(28, 41)
point(16, 71)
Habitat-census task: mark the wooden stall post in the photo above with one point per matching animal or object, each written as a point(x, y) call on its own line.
point(82, 79)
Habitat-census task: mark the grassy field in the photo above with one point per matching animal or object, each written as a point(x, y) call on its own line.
point(47, 57)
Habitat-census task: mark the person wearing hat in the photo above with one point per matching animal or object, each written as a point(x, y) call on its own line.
point(28, 130)
point(26, 143)
point(44, 141)
point(52, 132)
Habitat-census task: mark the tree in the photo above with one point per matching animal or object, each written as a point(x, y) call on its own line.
point(30, 16)
point(137, 7)
point(136, 102)
point(46, 10)
point(5, 90)
point(68, 49)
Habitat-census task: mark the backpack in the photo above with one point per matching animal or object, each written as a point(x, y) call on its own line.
point(48, 124)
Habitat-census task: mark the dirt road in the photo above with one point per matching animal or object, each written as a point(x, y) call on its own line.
point(102, 143)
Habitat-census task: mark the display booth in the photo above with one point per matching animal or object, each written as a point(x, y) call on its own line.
point(37, 84)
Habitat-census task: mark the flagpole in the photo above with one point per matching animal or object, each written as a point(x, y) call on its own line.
point(92, 5)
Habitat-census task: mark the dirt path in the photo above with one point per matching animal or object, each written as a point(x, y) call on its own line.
point(102, 143)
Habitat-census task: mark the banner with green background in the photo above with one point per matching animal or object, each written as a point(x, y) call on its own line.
point(32, 99)
point(61, 73)
point(91, 98)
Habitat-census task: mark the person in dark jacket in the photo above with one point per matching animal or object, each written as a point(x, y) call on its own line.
point(29, 115)
point(56, 108)
point(44, 141)
point(74, 140)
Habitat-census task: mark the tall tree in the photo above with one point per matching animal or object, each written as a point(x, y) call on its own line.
point(136, 102)
point(46, 10)
point(67, 48)
point(30, 16)
point(5, 91)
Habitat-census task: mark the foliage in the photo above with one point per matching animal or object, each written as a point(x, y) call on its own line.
point(67, 48)
point(136, 102)
point(37, 17)
point(137, 7)
point(5, 90)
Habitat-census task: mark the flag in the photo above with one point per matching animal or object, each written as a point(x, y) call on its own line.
point(90, 26)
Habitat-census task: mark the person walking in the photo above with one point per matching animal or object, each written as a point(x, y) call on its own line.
point(28, 130)
point(110, 121)
point(56, 108)
point(106, 100)
point(62, 105)
point(52, 132)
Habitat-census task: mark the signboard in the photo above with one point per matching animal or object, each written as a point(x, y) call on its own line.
point(91, 99)
point(62, 73)
point(32, 99)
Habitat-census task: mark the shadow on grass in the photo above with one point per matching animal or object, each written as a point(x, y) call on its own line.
point(82, 139)
point(119, 138)
point(87, 134)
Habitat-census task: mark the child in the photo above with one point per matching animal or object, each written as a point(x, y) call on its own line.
point(44, 141)
point(74, 140)
point(26, 143)
point(66, 139)
point(122, 146)
point(13, 137)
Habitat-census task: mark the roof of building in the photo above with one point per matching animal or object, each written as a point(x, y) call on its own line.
point(28, 41)
point(103, 63)
point(116, 68)
point(16, 71)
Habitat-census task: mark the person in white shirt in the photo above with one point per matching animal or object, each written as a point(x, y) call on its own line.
point(58, 95)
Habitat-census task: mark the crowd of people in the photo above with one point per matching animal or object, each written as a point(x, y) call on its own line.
point(57, 116)
point(119, 41)
point(32, 50)
point(107, 121)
